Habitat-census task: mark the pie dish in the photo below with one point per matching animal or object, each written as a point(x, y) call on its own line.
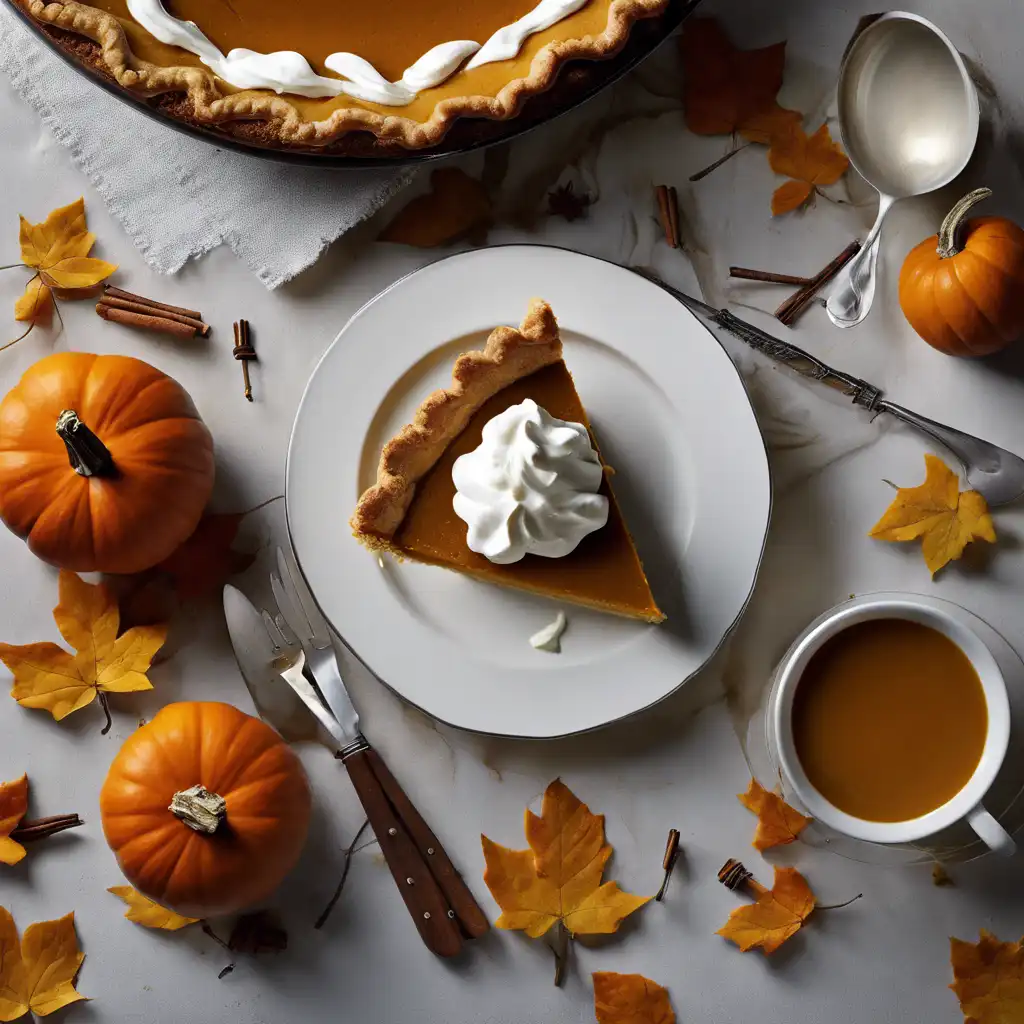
point(304, 76)
point(408, 511)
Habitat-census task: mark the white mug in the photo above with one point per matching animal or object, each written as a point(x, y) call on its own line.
point(967, 805)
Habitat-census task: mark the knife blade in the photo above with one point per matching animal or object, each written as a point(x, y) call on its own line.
point(254, 653)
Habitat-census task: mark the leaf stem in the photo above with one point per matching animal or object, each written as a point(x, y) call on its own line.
point(561, 951)
point(11, 266)
point(352, 849)
point(838, 906)
point(106, 710)
point(24, 334)
point(718, 163)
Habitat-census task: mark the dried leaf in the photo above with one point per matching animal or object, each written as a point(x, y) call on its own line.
point(988, 979)
point(456, 207)
point(559, 878)
point(812, 160)
point(144, 911)
point(777, 914)
point(37, 974)
point(13, 805)
point(77, 272)
point(36, 303)
point(940, 876)
point(630, 999)
point(777, 822)
point(729, 91)
point(47, 676)
point(59, 248)
point(567, 203)
point(945, 518)
point(203, 564)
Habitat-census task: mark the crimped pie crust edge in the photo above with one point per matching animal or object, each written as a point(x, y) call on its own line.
point(209, 106)
point(508, 356)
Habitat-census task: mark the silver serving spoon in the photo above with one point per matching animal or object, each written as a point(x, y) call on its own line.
point(995, 473)
point(908, 113)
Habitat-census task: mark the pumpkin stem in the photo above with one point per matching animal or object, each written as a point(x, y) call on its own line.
point(199, 809)
point(951, 234)
point(87, 454)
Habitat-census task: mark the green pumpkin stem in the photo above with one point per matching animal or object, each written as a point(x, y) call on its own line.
point(951, 234)
point(88, 455)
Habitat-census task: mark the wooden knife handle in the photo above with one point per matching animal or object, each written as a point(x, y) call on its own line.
point(423, 896)
point(467, 911)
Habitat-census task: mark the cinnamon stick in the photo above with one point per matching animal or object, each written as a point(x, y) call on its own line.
point(798, 301)
point(114, 302)
point(120, 293)
point(661, 194)
point(40, 828)
point(149, 322)
point(767, 276)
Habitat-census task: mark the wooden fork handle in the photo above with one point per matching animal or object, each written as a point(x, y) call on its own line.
point(467, 911)
point(424, 898)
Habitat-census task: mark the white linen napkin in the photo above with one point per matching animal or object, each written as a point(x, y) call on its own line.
point(177, 197)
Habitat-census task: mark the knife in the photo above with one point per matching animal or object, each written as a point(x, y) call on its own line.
point(993, 471)
point(439, 901)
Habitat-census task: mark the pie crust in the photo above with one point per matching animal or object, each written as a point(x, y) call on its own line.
point(210, 104)
point(509, 355)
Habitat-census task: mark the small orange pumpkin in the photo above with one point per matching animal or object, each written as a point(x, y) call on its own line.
point(206, 809)
point(963, 289)
point(105, 465)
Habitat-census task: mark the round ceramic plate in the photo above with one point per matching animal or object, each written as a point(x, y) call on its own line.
point(673, 419)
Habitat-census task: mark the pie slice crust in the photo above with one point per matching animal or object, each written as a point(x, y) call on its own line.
point(407, 511)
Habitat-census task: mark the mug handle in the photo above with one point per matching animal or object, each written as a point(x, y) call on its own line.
point(991, 833)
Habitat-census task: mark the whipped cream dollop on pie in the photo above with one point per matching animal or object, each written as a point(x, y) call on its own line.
point(305, 74)
point(530, 487)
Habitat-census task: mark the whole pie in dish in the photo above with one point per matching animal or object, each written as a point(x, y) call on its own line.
point(312, 72)
point(516, 391)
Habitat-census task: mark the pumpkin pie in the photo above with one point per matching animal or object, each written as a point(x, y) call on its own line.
point(409, 510)
point(302, 75)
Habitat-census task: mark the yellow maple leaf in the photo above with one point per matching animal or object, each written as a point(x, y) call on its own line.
point(777, 822)
point(630, 999)
point(944, 517)
point(558, 880)
point(13, 805)
point(811, 160)
point(58, 249)
point(988, 979)
point(142, 910)
point(777, 914)
point(47, 676)
point(37, 974)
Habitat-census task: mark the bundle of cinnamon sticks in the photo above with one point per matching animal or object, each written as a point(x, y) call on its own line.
point(137, 311)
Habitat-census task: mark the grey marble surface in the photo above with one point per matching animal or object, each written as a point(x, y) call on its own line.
point(885, 958)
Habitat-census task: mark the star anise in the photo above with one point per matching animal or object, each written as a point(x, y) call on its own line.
point(566, 202)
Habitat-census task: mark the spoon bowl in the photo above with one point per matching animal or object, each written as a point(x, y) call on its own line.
point(908, 115)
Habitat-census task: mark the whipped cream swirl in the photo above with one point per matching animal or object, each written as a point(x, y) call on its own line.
point(288, 71)
point(530, 487)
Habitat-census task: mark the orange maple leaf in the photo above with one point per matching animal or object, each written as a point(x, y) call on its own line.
point(777, 914)
point(13, 805)
point(777, 822)
point(945, 518)
point(37, 973)
point(202, 564)
point(457, 206)
point(630, 999)
point(811, 160)
point(728, 91)
point(988, 979)
point(142, 910)
point(558, 880)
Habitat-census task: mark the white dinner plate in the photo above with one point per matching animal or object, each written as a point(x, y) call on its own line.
point(671, 416)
